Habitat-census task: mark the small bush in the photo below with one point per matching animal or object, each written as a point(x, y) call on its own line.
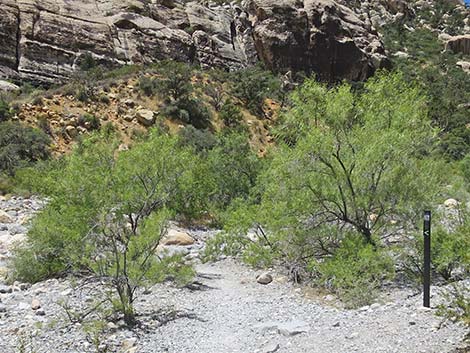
point(457, 304)
point(355, 271)
point(5, 112)
point(449, 253)
point(147, 85)
point(21, 145)
point(200, 141)
point(230, 114)
point(190, 110)
point(174, 83)
point(44, 125)
point(104, 99)
point(216, 93)
point(253, 86)
point(38, 101)
point(89, 121)
point(87, 62)
point(94, 195)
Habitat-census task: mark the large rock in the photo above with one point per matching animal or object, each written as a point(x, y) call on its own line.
point(459, 44)
point(319, 36)
point(175, 237)
point(145, 116)
point(46, 41)
point(8, 86)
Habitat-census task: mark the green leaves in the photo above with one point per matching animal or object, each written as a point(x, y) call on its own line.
point(20, 146)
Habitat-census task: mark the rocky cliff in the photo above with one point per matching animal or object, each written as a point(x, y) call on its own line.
point(46, 40)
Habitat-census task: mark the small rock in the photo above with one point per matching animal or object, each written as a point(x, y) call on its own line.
point(129, 343)
point(129, 102)
point(264, 278)
point(22, 306)
point(412, 323)
point(353, 335)
point(5, 217)
point(112, 326)
point(35, 304)
point(40, 312)
point(3, 308)
point(5, 289)
point(270, 348)
point(464, 65)
point(336, 324)
point(293, 328)
point(329, 298)
point(375, 306)
point(8, 86)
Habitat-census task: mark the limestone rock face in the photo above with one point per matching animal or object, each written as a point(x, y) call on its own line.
point(45, 41)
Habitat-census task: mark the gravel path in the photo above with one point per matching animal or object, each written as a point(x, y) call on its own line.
point(226, 311)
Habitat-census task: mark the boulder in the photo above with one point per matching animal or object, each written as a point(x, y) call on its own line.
point(145, 117)
point(451, 203)
point(319, 36)
point(464, 65)
point(71, 131)
point(459, 44)
point(5, 289)
point(8, 87)
point(174, 237)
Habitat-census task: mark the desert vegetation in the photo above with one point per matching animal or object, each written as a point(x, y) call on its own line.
point(325, 181)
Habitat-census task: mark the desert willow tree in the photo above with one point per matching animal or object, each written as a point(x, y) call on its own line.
point(350, 162)
point(107, 213)
point(140, 184)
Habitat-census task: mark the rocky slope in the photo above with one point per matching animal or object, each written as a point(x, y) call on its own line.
point(45, 41)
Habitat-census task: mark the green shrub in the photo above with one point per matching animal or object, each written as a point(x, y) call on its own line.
point(190, 110)
point(253, 86)
point(92, 121)
point(230, 114)
point(38, 101)
point(5, 112)
point(87, 62)
point(147, 85)
point(84, 92)
point(457, 304)
point(104, 99)
point(44, 125)
point(200, 140)
point(20, 146)
point(355, 271)
point(435, 70)
point(449, 253)
point(174, 83)
point(233, 168)
point(107, 213)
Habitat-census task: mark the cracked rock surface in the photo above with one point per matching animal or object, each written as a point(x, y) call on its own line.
point(45, 41)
